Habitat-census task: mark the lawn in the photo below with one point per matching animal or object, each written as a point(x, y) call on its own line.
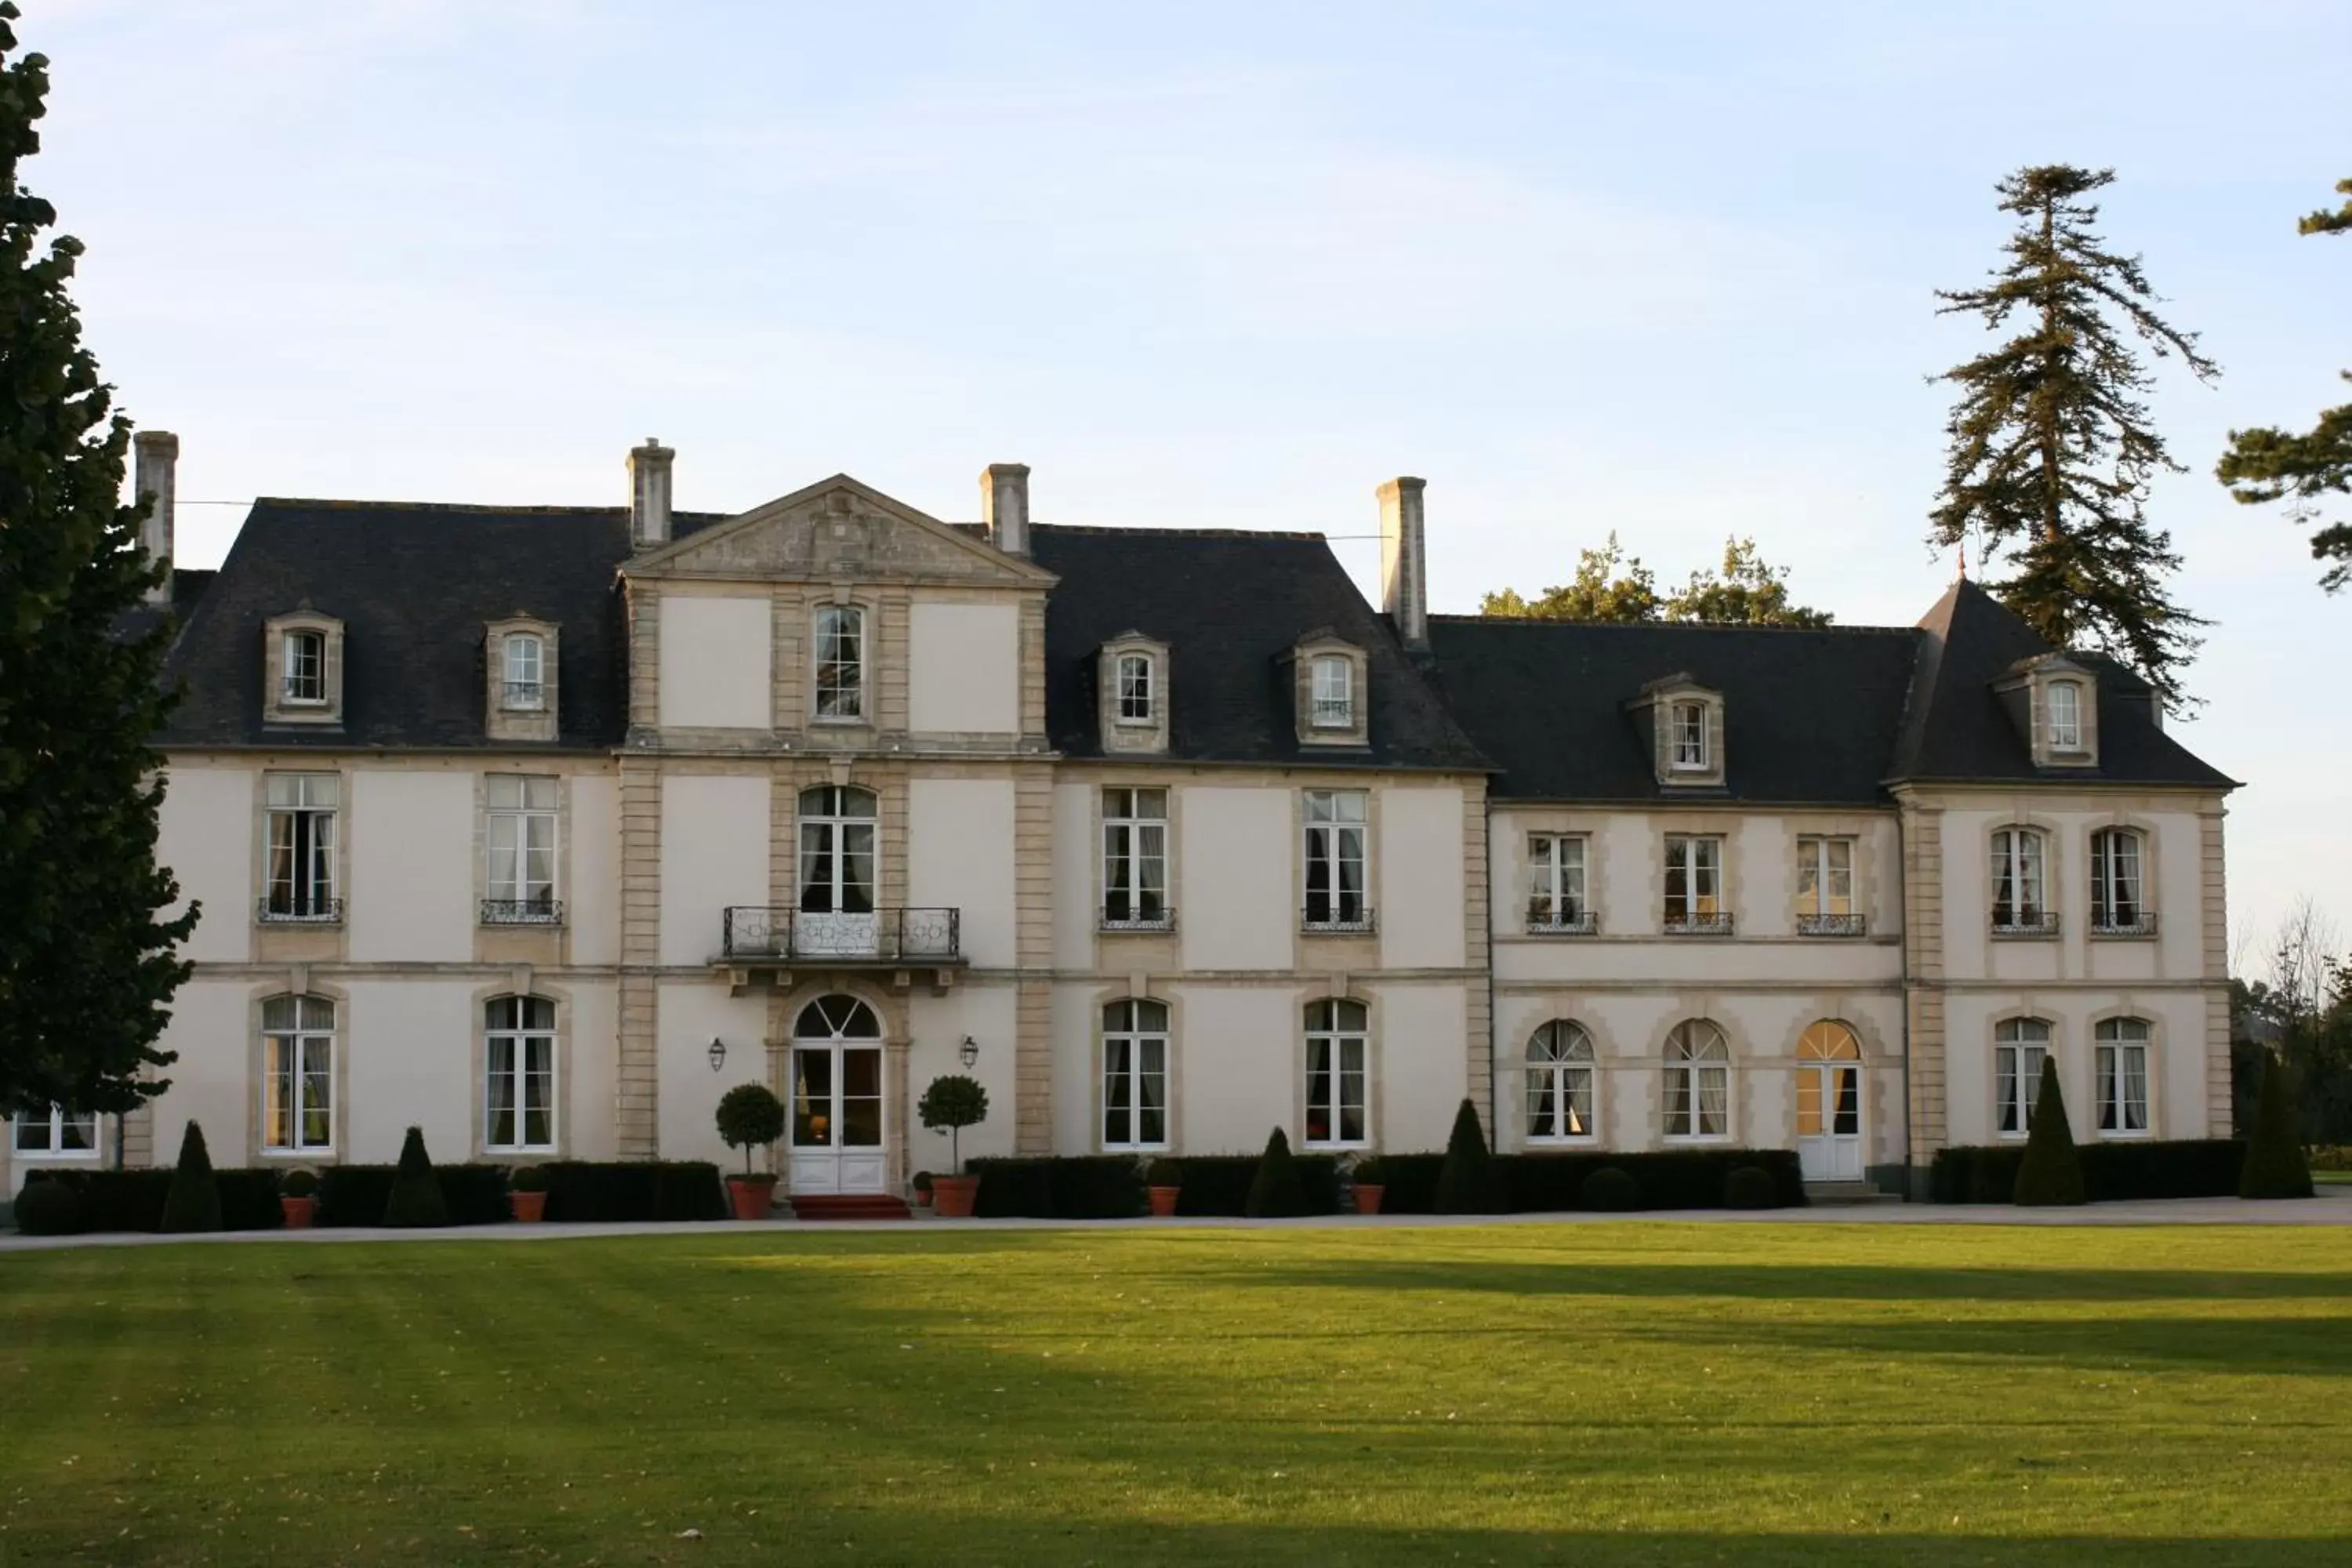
point(1614, 1393)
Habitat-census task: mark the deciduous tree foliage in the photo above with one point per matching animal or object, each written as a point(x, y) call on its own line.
point(1611, 585)
point(2052, 447)
point(86, 965)
point(2266, 464)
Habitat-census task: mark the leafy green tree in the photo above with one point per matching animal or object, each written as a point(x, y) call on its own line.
point(1613, 586)
point(192, 1204)
point(1468, 1181)
point(952, 1103)
point(1276, 1192)
point(2051, 1171)
point(2052, 447)
point(2266, 464)
point(86, 965)
point(2276, 1166)
point(417, 1199)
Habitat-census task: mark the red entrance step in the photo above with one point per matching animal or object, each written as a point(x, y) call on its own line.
point(848, 1205)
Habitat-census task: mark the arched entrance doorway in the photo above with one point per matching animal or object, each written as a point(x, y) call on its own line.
point(836, 1097)
point(1829, 1103)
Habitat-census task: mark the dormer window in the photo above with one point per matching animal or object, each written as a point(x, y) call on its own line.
point(1684, 725)
point(1135, 688)
point(2066, 716)
point(303, 661)
point(2054, 700)
point(1690, 750)
point(1334, 692)
point(526, 662)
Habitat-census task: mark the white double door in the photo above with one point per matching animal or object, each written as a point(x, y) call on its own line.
point(837, 1118)
point(1829, 1120)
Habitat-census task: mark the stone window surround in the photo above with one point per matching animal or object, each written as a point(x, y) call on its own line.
point(2028, 1010)
point(275, 708)
point(1341, 989)
point(1323, 644)
point(1132, 735)
point(521, 768)
point(899, 1124)
point(869, 636)
point(1372, 858)
point(1170, 868)
point(2079, 1091)
point(503, 722)
point(1528, 1066)
point(2153, 1018)
point(2053, 874)
point(1137, 988)
point(1662, 697)
point(2030, 682)
point(298, 983)
point(2150, 859)
point(523, 981)
point(1661, 1061)
point(342, 860)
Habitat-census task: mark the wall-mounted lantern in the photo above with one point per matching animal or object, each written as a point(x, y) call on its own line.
point(969, 1052)
point(717, 1054)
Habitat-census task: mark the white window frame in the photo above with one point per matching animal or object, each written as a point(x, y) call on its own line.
point(1562, 1084)
point(53, 1126)
point(523, 659)
point(508, 1021)
point(1137, 700)
point(1698, 1057)
point(522, 829)
point(840, 850)
point(1558, 873)
point(2118, 890)
point(1341, 1028)
point(302, 668)
point(2020, 1046)
point(1688, 748)
point(303, 809)
point(1698, 858)
point(2121, 1058)
point(1135, 1058)
point(2066, 729)
point(1335, 841)
point(297, 1071)
point(1824, 866)
point(1134, 858)
point(1331, 692)
point(839, 677)
point(2021, 862)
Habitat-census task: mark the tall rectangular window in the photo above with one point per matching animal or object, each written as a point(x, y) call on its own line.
point(303, 809)
point(2121, 1046)
point(1135, 688)
point(518, 1059)
point(56, 1131)
point(1555, 870)
point(1135, 1075)
point(1690, 736)
point(2066, 716)
point(840, 661)
point(1335, 858)
point(526, 672)
point(1135, 857)
point(2019, 1047)
point(1338, 1047)
point(298, 1074)
point(1693, 881)
point(303, 656)
point(521, 847)
point(1825, 875)
point(2018, 903)
point(2115, 902)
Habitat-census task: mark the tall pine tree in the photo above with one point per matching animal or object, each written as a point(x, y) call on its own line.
point(2265, 464)
point(2052, 447)
point(86, 961)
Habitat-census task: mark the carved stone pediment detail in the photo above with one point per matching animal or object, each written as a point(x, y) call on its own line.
point(838, 530)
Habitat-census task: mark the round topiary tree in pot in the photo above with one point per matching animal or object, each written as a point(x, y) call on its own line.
point(750, 1117)
point(1164, 1179)
point(949, 1105)
point(298, 1198)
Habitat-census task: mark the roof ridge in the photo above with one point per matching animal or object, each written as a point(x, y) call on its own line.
point(1096, 527)
point(1674, 625)
point(517, 509)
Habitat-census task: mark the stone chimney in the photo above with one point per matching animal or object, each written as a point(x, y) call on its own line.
point(1404, 561)
point(1004, 506)
point(155, 459)
point(649, 494)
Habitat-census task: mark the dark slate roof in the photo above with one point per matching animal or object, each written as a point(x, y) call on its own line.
point(1957, 730)
point(1810, 716)
point(1229, 605)
point(413, 585)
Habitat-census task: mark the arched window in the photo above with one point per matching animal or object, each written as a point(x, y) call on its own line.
point(519, 1075)
point(838, 829)
point(2018, 901)
point(2116, 885)
point(2066, 716)
point(1135, 1075)
point(1699, 1081)
point(1559, 1083)
point(298, 1074)
point(837, 1018)
point(2122, 1047)
point(2020, 1046)
point(1337, 1057)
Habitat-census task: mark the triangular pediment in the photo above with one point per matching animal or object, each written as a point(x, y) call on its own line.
point(837, 530)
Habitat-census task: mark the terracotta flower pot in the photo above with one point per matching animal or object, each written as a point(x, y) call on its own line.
point(754, 1196)
point(529, 1208)
point(951, 1196)
point(1163, 1202)
point(299, 1211)
point(1368, 1197)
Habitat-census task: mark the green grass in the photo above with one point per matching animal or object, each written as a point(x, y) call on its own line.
point(1635, 1393)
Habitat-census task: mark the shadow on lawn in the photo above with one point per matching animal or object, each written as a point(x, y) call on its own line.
point(1808, 1281)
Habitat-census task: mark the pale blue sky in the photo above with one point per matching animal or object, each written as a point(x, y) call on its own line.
point(1582, 268)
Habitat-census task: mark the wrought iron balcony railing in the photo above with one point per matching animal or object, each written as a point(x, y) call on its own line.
point(1337, 919)
point(2024, 922)
point(522, 911)
point(281, 910)
point(525, 695)
point(1138, 918)
point(1561, 919)
point(2140, 924)
point(891, 936)
point(1698, 925)
point(1832, 925)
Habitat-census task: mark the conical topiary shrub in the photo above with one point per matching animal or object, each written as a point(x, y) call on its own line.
point(1469, 1182)
point(2052, 1172)
point(1276, 1192)
point(194, 1203)
point(416, 1197)
point(2275, 1164)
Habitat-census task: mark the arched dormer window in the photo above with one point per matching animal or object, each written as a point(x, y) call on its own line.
point(1331, 688)
point(1133, 715)
point(520, 659)
point(304, 658)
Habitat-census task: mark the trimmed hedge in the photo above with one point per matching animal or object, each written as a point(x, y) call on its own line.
point(1750, 1187)
point(662, 1191)
point(50, 1208)
point(357, 1195)
point(1219, 1185)
point(1409, 1183)
point(2112, 1173)
point(1611, 1189)
point(133, 1200)
point(1094, 1187)
point(1668, 1178)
